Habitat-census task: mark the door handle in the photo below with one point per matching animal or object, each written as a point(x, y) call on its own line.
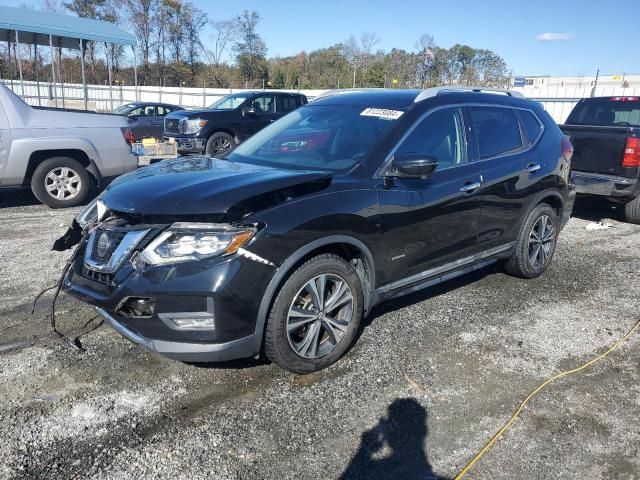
point(470, 187)
point(532, 168)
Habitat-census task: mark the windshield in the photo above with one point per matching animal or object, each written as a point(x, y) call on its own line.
point(318, 137)
point(123, 108)
point(613, 112)
point(230, 102)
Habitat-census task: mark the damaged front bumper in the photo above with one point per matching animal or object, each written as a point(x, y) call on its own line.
point(225, 292)
point(188, 351)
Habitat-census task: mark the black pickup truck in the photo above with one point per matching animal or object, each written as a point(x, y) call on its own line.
point(229, 121)
point(605, 133)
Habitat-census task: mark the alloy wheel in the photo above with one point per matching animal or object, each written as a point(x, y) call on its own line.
point(63, 183)
point(220, 145)
point(541, 240)
point(319, 316)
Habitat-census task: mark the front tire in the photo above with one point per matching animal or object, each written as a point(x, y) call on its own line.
point(632, 211)
point(219, 144)
point(536, 243)
point(61, 182)
point(315, 316)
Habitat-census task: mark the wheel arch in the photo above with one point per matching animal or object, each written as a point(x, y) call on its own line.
point(39, 156)
point(554, 199)
point(226, 130)
point(349, 248)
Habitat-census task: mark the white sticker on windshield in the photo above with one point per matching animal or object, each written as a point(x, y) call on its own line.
point(382, 113)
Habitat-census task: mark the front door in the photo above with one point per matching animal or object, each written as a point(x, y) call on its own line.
point(439, 220)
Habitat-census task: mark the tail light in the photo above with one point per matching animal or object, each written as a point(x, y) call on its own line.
point(128, 135)
point(631, 153)
point(567, 148)
point(624, 99)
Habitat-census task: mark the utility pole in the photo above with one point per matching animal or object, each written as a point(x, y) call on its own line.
point(595, 84)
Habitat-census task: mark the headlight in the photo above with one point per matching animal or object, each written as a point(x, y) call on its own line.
point(92, 213)
point(183, 242)
point(193, 125)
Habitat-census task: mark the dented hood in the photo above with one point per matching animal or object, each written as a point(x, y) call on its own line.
point(203, 185)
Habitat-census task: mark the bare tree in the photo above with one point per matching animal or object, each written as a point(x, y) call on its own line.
point(141, 18)
point(225, 33)
point(55, 6)
point(426, 56)
point(367, 41)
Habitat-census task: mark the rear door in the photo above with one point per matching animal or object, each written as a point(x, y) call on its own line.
point(158, 121)
point(598, 128)
point(511, 169)
point(287, 103)
point(141, 121)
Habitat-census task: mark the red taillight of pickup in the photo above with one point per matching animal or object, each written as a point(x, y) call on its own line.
point(128, 136)
point(631, 153)
point(566, 148)
point(624, 99)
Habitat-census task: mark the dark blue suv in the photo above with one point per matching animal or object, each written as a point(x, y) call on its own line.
point(283, 246)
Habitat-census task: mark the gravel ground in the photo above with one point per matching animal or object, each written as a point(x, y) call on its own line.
point(431, 378)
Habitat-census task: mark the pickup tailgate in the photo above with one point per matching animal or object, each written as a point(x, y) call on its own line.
point(598, 149)
point(599, 128)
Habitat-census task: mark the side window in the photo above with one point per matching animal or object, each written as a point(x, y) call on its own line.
point(264, 104)
point(530, 125)
point(497, 130)
point(137, 112)
point(288, 103)
point(149, 111)
point(163, 111)
point(439, 135)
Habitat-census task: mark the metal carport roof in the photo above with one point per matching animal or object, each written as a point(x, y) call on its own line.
point(35, 27)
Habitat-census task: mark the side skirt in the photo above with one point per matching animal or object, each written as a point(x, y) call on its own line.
point(443, 273)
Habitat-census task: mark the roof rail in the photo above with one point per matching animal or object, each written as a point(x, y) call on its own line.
point(434, 91)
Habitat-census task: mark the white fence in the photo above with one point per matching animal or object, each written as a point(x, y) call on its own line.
point(557, 100)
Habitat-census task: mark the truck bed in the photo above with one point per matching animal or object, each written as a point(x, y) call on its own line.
point(599, 149)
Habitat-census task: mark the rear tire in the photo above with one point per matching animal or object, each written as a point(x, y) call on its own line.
point(536, 243)
point(315, 316)
point(219, 145)
point(632, 211)
point(61, 182)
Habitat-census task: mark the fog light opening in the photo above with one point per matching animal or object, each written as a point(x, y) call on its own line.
point(205, 323)
point(136, 307)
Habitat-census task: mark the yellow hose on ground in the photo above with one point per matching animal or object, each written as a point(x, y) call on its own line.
point(533, 393)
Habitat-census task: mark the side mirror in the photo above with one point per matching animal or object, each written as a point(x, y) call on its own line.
point(133, 118)
point(248, 112)
point(412, 165)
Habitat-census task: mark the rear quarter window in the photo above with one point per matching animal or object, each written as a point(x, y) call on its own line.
point(606, 112)
point(531, 126)
point(497, 130)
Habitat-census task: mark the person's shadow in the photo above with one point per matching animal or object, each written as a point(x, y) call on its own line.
point(395, 447)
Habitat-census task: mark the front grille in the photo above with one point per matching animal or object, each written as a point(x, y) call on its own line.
point(114, 236)
point(98, 277)
point(172, 125)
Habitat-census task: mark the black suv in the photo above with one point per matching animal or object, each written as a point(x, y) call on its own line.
point(285, 245)
point(229, 121)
